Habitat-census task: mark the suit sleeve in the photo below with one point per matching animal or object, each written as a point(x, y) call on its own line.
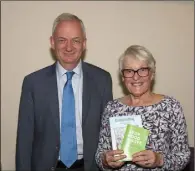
point(107, 95)
point(25, 130)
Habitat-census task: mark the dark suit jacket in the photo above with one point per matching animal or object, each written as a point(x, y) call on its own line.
point(38, 134)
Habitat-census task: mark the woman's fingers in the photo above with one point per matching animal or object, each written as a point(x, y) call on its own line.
point(146, 158)
point(113, 158)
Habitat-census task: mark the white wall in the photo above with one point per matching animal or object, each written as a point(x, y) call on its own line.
point(165, 28)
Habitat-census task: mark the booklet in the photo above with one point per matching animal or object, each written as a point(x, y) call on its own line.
point(134, 140)
point(118, 125)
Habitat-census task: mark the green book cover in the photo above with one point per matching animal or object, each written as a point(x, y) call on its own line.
point(134, 140)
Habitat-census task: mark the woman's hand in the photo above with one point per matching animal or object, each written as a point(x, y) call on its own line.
point(148, 158)
point(111, 158)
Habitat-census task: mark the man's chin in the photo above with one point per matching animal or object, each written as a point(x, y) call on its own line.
point(70, 61)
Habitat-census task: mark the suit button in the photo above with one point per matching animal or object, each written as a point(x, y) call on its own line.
point(53, 168)
point(57, 148)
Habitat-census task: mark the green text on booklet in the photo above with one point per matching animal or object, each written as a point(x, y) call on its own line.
point(134, 140)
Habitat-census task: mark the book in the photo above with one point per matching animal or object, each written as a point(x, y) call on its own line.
point(118, 125)
point(134, 140)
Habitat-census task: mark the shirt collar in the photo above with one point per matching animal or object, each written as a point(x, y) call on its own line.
point(61, 71)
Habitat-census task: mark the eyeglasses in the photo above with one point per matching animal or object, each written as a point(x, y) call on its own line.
point(129, 73)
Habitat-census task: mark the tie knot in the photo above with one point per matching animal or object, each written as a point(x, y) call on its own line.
point(69, 75)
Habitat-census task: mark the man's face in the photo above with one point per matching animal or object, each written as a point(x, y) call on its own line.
point(68, 42)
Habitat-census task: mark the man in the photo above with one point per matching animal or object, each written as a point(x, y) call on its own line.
point(41, 143)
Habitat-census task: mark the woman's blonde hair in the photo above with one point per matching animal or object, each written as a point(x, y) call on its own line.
point(140, 53)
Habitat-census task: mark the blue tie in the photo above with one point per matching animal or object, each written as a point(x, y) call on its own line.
point(68, 150)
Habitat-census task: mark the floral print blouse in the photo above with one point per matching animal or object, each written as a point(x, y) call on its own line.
point(168, 133)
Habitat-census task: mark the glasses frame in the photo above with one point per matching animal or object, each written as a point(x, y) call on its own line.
point(135, 71)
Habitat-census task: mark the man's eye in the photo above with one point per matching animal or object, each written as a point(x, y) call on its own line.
point(76, 41)
point(61, 40)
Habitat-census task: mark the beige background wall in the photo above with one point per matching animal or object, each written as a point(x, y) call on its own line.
point(165, 28)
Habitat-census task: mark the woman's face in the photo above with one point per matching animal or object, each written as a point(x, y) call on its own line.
point(138, 83)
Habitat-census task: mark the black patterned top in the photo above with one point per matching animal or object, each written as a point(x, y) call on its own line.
point(168, 133)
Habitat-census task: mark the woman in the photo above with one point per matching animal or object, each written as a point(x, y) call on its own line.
point(167, 146)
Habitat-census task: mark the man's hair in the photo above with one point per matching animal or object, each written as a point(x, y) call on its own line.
point(68, 17)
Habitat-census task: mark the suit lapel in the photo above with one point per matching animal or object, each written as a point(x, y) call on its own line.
point(86, 93)
point(53, 96)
